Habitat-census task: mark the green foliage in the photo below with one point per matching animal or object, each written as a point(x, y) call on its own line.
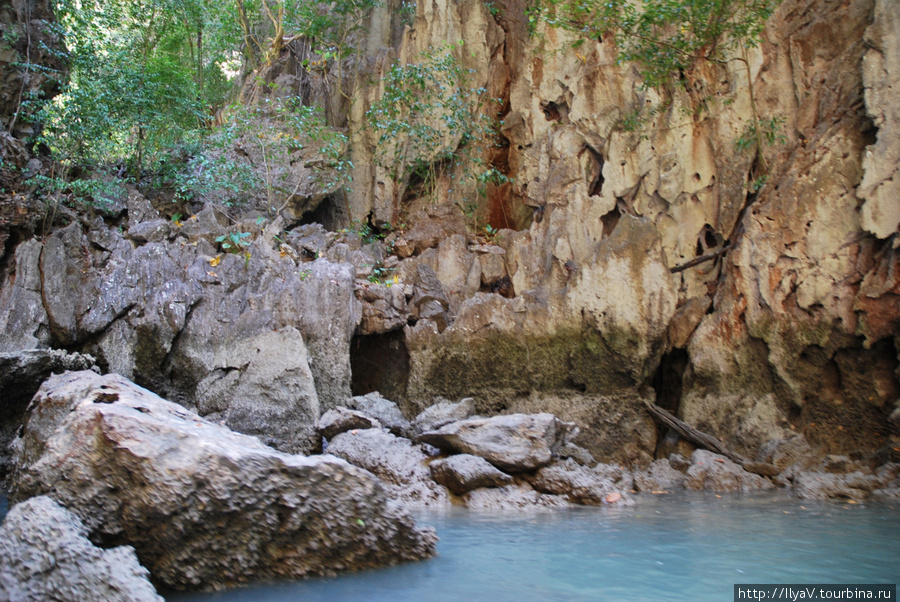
point(769, 130)
point(428, 116)
point(75, 193)
point(250, 155)
point(234, 242)
point(142, 81)
point(665, 37)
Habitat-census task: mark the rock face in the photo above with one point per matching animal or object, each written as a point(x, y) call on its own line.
point(513, 443)
point(659, 476)
point(45, 555)
point(260, 343)
point(204, 507)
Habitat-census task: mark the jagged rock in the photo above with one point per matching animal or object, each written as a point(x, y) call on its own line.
point(443, 412)
point(429, 302)
point(714, 472)
point(139, 208)
point(513, 443)
point(340, 420)
point(21, 375)
point(679, 462)
point(383, 410)
point(463, 472)
point(178, 316)
point(45, 554)
point(659, 476)
point(383, 308)
point(579, 484)
point(156, 230)
point(399, 463)
point(513, 497)
point(577, 453)
point(263, 386)
point(202, 225)
point(204, 507)
point(880, 186)
point(824, 485)
point(493, 263)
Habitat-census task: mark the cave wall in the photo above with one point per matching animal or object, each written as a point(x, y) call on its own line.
point(791, 327)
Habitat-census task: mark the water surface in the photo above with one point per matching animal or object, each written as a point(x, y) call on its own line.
point(667, 547)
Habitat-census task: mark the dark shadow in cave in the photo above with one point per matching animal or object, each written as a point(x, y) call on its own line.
point(380, 362)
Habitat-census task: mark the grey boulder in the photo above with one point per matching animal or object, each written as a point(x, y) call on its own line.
point(340, 420)
point(383, 410)
point(442, 413)
point(203, 506)
point(463, 473)
point(512, 443)
point(45, 555)
point(714, 472)
point(578, 484)
point(397, 461)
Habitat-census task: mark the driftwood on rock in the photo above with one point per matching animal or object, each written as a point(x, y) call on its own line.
point(693, 435)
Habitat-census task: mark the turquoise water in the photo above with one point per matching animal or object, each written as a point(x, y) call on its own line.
point(670, 547)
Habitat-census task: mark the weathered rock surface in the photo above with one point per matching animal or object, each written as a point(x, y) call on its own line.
point(513, 443)
point(659, 476)
point(880, 186)
point(579, 484)
point(21, 375)
point(839, 477)
point(340, 420)
point(464, 472)
point(714, 472)
point(228, 335)
point(397, 461)
point(45, 554)
point(383, 410)
point(513, 497)
point(204, 507)
point(442, 413)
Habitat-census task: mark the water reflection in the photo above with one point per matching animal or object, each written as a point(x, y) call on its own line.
point(672, 547)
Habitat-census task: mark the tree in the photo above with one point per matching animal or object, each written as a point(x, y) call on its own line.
point(670, 38)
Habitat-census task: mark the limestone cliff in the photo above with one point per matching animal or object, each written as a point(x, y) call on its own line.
point(792, 323)
point(634, 252)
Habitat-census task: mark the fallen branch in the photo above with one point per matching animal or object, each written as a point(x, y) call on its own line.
point(699, 260)
point(696, 437)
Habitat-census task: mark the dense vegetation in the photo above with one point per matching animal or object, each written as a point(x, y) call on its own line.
point(152, 91)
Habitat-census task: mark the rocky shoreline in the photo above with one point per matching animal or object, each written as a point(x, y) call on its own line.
point(107, 479)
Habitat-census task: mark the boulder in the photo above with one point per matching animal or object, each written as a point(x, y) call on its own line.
point(383, 410)
point(340, 420)
point(463, 473)
point(513, 443)
point(21, 375)
point(578, 484)
point(156, 230)
point(396, 461)
point(442, 413)
point(659, 476)
point(714, 472)
point(839, 477)
point(203, 506)
point(45, 555)
point(513, 497)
